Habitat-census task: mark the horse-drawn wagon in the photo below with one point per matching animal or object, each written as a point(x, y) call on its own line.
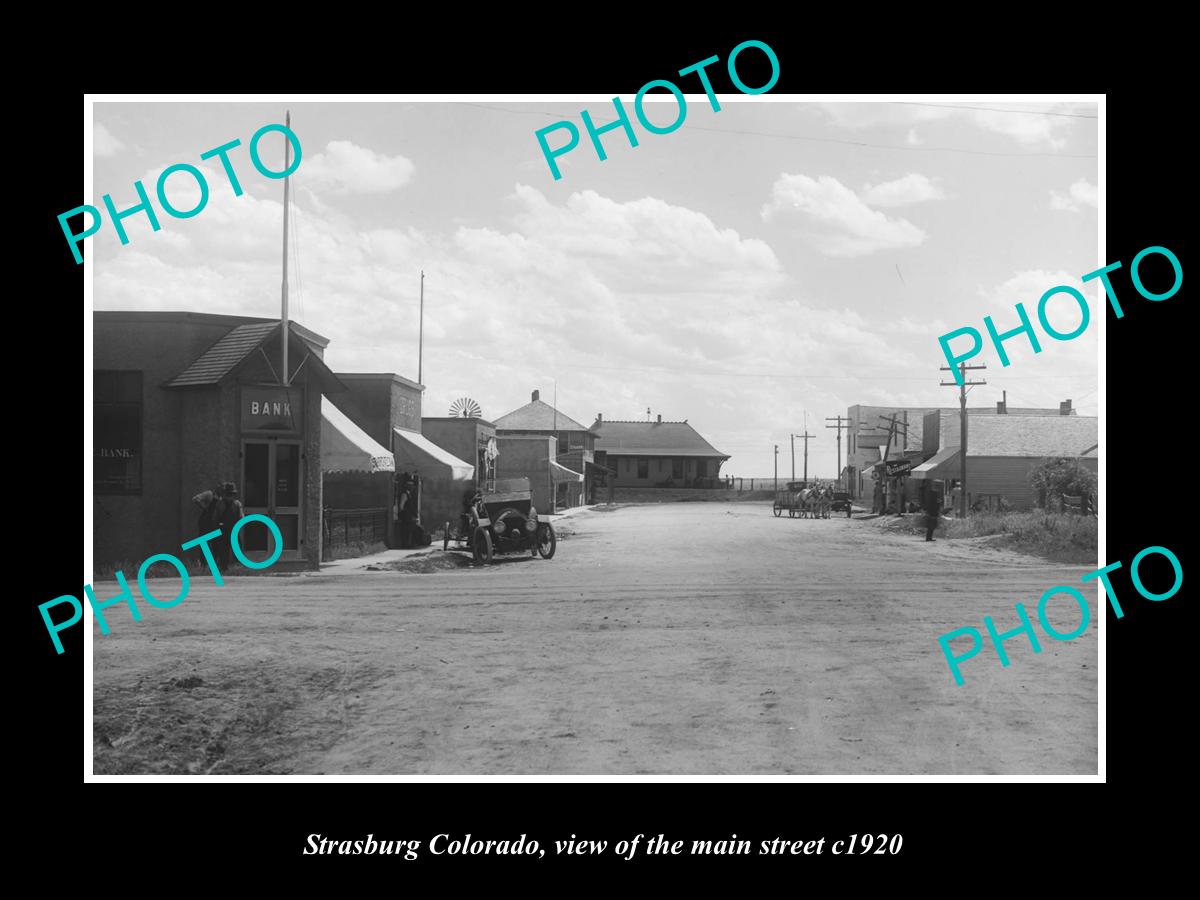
point(804, 500)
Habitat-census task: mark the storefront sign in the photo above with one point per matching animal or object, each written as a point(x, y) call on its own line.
point(408, 408)
point(272, 408)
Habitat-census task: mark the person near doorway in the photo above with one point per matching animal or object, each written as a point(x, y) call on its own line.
point(228, 512)
point(206, 503)
point(933, 510)
point(407, 509)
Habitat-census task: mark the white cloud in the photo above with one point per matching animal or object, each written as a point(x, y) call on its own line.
point(834, 219)
point(912, 188)
point(103, 141)
point(1025, 127)
point(1081, 193)
point(1026, 123)
point(1062, 312)
point(346, 168)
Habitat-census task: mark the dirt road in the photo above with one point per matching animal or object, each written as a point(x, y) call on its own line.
point(670, 638)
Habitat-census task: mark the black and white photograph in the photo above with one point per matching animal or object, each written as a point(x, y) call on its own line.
point(496, 436)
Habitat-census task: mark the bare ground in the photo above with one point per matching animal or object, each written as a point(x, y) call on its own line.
point(670, 638)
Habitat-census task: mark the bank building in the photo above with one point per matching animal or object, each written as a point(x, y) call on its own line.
point(186, 401)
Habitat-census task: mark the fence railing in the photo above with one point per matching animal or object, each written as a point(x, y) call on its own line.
point(349, 526)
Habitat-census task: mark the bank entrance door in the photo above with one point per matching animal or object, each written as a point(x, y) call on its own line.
point(271, 473)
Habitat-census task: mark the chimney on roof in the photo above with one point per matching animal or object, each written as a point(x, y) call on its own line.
point(599, 417)
point(660, 418)
point(537, 395)
point(1064, 408)
point(1002, 405)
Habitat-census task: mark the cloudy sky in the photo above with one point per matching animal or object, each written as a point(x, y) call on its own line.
point(764, 263)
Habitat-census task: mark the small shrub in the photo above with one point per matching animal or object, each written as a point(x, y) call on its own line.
point(1060, 476)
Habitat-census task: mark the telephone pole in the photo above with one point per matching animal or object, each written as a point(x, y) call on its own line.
point(806, 436)
point(894, 426)
point(793, 457)
point(839, 426)
point(777, 467)
point(962, 386)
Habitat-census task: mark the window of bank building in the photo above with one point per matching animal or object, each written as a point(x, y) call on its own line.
point(117, 432)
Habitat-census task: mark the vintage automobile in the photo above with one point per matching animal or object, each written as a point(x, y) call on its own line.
point(502, 520)
point(841, 501)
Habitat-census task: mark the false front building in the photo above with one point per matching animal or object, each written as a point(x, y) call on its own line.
point(549, 448)
point(656, 454)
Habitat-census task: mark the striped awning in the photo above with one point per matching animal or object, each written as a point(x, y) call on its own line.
point(562, 473)
point(347, 448)
point(940, 465)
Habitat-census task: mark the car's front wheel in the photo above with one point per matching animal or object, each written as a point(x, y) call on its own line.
point(481, 545)
point(547, 541)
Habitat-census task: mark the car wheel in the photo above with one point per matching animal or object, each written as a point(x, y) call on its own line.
point(481, 546)
point(547, 541)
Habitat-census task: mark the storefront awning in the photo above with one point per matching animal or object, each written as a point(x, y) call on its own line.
point(941, 465)
point(347, 448)
point(562, 473)
point(416, 453)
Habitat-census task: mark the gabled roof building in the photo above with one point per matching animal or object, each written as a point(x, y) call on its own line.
point(656, 453)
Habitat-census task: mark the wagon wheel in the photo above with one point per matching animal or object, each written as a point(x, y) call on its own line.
point(791, 513)
point(778, 509)
point(481, 546)
point(547, 540)
point(446, 537)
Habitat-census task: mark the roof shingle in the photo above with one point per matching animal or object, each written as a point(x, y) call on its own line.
point(652, 439)
point(537, 415)
point(1035, 435)
point(222, 357)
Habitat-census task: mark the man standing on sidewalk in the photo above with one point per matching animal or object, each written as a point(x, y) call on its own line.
point(933, 508)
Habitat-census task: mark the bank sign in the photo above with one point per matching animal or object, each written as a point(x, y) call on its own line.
point(272, 408)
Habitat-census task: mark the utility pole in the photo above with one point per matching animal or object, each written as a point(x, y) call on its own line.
point(793, 457)
point(839, 426)
point(962, 385)
point(806, 436)
point(894, 426)
point(777, 468)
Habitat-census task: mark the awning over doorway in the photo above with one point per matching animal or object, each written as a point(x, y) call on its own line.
point(347, 448)
point(416, 453)
point(942, 464)
point(561, 473)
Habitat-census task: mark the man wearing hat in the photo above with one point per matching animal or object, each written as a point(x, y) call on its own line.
point(229, 511)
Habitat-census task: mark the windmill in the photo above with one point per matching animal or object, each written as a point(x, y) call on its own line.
point(465, 408)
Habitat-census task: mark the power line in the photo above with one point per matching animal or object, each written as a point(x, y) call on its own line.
point(823, 140)
point(1027, 112)
point(881, 375)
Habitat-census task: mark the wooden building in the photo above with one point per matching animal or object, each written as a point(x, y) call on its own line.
point(656, 454)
